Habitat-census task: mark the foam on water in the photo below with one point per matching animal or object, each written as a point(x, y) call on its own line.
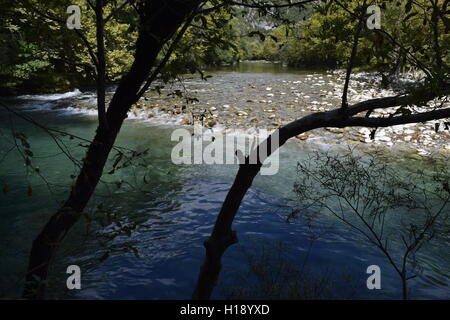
point(51, 97)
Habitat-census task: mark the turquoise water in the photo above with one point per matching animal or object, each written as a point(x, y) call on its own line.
point(144, 239)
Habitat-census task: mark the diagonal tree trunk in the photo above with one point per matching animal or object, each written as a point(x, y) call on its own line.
point(159, 21)
point(223, 236)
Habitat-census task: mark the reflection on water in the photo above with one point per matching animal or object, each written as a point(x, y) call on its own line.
point(259, 67)
point(144, 240)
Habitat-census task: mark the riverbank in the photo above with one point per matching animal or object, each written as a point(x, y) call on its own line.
point(236, 101)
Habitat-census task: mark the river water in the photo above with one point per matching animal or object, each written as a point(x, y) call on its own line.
point(144, 239)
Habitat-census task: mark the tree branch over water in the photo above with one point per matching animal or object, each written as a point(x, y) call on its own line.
point(158, 24)
point(353, 55)
point(223, 236)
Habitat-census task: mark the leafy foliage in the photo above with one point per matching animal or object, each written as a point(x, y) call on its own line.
point(44, 54)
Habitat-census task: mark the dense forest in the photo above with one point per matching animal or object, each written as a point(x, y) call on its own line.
point(38, 55)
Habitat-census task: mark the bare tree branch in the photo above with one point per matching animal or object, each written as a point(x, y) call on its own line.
point(167, 56)
point(115, 11)
point(254, 5)
point(353, 56)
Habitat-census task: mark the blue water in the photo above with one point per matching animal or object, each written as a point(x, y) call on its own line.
point(169, 217)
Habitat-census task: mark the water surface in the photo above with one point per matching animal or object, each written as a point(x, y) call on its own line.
point(145, 241)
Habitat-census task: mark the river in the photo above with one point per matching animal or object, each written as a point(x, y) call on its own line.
point(145, 240)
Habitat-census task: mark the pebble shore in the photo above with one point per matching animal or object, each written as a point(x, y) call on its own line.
point(251, 105)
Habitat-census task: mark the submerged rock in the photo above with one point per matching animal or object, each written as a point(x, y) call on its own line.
point(241, 113)
point(335, 130)
point(211, 123)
